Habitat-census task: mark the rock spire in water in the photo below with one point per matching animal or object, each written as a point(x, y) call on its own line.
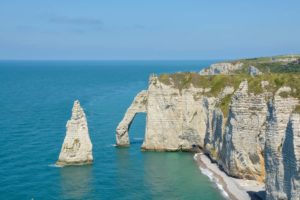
point(77, 146)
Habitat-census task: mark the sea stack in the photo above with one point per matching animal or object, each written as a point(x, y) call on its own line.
point(77, 146)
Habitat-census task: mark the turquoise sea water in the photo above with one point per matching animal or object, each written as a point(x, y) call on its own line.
point(36, 99)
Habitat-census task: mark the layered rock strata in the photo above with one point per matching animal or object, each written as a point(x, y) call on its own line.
point(77, 145)
point(175, 118)
point(188, 118)
point(282, 150)
point(243, 145)
point(244, 142)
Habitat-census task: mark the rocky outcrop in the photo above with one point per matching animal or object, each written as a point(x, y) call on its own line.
point(176, 119)
point(253, 71)
point(244, 141)
point(191, 117)
point(243, 146)
point(282, 149)
point(77, 146)
point(285, 60)
point(221, 68)
point(138, 106)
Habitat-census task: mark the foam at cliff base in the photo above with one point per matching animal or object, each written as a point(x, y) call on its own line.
point(211, 177)
point(55, 165)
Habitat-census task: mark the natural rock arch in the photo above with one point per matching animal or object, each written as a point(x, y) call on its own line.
point(138, 106)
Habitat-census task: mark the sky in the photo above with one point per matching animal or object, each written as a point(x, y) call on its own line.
point(147, 29)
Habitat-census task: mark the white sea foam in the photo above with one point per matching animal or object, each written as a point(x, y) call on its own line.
point(220, 187)
point(111, 145)
point(207, 173)
point(55, 165)
point(195, 157)
point(213, 179)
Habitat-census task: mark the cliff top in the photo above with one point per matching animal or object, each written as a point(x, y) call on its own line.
point(275, 64)
point(263, 75)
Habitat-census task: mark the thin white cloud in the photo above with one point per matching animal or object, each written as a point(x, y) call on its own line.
point(76, 21)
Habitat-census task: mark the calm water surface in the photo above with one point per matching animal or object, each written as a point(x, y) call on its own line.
point(36, 99)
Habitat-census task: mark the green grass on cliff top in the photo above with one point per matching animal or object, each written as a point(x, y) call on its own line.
point(218, 82)
point(278, 74)
point(184, 80)
point(269, 64)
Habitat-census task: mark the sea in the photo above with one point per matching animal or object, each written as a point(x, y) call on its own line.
point(36, 99)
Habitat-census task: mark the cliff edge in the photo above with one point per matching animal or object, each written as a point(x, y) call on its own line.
point(243, 114)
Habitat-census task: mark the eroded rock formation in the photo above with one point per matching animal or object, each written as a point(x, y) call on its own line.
point(243, 146)
point(138, 106)
point(180, 119)
point(246, 126)
point(253, 71)
point(282, 150)
point(77, 146)
point(174, 117)
point(221, 68)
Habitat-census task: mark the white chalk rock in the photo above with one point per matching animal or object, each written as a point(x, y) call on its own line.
point(77, 146)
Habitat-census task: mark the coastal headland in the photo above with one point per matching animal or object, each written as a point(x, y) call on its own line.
point(243, 114)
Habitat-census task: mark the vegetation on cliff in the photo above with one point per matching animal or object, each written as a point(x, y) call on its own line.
point(184, 80)
point(276, 64)
point(277, 71)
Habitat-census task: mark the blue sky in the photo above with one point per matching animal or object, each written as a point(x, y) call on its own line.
point(143, 29)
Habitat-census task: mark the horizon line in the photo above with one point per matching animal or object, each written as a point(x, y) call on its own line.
point(159, 59)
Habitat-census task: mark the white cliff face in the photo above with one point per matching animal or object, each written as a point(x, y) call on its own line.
point(176, 120)
point(282, 150)
point(215, 123)
point(246, 144)
point(77, 146)
point(138, 106)
point(253, 71)
point(221, 68)
point(243, 144)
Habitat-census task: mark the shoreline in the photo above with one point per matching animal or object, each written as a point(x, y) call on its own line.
point(231, 188)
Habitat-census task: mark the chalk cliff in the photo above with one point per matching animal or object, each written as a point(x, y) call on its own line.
point(174, 117)
point(77, 146)
point(138, 106)
point(222, 68)
point(243, 122)
point(191, 117)
point(243, 146)
point(282, 150)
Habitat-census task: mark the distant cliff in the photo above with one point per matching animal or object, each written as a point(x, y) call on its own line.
point(243, 114)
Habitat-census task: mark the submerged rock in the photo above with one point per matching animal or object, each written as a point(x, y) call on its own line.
point(77, 146)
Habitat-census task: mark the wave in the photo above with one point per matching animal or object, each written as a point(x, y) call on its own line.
point(111, 145)
point(55, 165)
point(213, 179)
point(195, 157)
point(220, 187)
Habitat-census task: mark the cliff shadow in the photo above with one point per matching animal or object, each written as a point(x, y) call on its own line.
point(257, 195)
point(289, 159)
